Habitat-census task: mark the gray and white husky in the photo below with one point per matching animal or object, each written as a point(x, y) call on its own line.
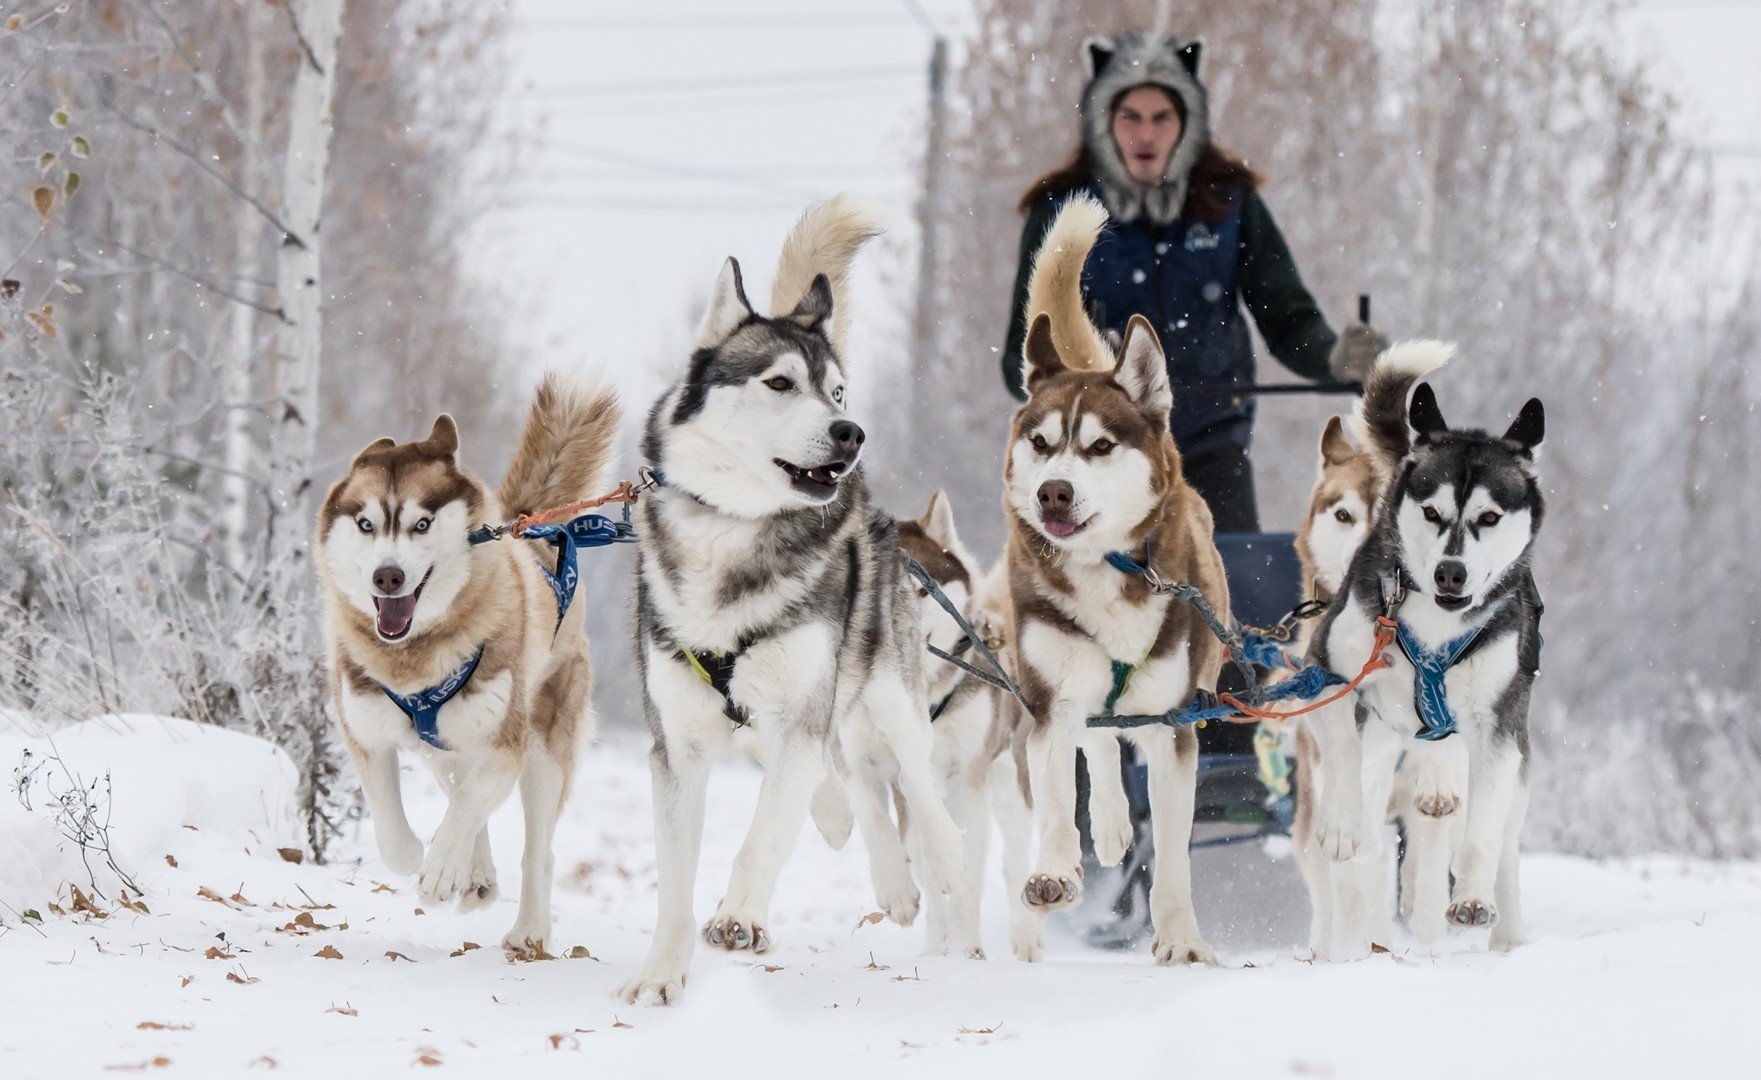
point(1448, 560)
point(772, 599)
point(1432, 776)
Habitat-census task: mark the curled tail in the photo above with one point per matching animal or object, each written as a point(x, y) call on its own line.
point(1379, 425)
point(824, 241)
point(566, 447)
point(1055, 288)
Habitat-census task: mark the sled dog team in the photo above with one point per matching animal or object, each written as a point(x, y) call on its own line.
point(774, 613)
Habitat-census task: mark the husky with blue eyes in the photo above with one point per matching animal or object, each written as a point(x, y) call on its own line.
point(470, 657)
point(773, 609)
point(1446, 564)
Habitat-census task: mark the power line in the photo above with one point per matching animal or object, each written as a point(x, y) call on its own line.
point(921, 17)
point(765, 184)
point(717, 83)
point(749, 100)
point(806, 20)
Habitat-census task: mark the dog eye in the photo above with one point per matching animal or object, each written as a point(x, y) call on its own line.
point(782, 384)
point(1489, 519)
point(1039, 443)
point(838, 395)
point(422, 526)
point(1101, 446)
point(363, 524)
point(1343, 517)
point(1432, 516)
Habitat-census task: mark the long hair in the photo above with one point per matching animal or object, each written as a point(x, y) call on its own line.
point(1210, 190)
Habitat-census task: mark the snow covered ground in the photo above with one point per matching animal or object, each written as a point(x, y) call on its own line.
point(243, 960)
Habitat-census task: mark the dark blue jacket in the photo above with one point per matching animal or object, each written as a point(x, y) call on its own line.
point(1189, 279)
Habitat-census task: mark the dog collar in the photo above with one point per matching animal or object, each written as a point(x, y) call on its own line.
point(658, 479)
point(423, 707)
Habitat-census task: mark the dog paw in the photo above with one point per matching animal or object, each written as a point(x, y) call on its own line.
point(736, 933)
point(1047, 891)
point(1436, 803)
point(1339, 839)
point(1112, 839)
point(526, 940)
point(401, 854)
point(1505, 936)
point(652, 990)
point(900, 902)
point(1473, 913)
point(1025, 939)
point(480, 890)
point(1181, 949)
point(452, 870)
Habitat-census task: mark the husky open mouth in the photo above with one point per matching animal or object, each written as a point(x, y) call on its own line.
point(394, 614)
point(1063, 530)
point(821, 481)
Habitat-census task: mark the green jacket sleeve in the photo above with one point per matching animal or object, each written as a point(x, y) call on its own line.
point(1286, 314)
point(1039, 219)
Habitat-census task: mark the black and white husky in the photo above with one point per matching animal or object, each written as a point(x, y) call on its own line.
point(1447, 563)
point(772, 599)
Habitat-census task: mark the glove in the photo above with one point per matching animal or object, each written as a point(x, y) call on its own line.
point(1354, 352)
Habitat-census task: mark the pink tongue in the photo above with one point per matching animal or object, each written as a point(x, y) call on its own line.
point(1060, 528)
point(395, 613)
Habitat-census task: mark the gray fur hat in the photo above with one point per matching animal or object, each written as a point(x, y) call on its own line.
point(1116, 65)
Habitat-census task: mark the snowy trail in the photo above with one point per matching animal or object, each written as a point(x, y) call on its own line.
point(1635, 969)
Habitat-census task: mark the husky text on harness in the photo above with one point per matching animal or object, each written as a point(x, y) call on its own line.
point(423, 707)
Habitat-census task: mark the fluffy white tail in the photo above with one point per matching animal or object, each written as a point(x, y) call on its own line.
point(1379, 424)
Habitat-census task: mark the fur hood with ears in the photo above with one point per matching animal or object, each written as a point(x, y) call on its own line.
point(1116, 65)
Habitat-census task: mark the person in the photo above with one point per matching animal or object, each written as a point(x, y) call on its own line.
point(1189, 242)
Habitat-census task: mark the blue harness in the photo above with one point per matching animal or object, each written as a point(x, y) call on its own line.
point(586, 531)
point(423, 707)
point(1244, 648)
point(1429, 695)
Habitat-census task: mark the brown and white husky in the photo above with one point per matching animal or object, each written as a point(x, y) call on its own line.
point(1092, 469)
point(979, 764)
point(422, 624)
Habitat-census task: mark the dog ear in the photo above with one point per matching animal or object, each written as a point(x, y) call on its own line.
point(372, 448)
point(1189, 57)
point(1424, 415)
point(816, 307)
point(1097, 53)
point(443, 437)
point(728, 307)
point(938, 521)
point(1039, 355)
point(1529, 427)
point(1143, 369)
point(1336, 449)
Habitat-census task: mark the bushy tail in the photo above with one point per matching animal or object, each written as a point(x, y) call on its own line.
point(1055, 288)
point(566, 447)
point(824, 241)
point(1379, 425)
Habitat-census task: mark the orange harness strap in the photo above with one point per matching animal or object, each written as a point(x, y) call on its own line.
point(623, 493)
point(1385, 629)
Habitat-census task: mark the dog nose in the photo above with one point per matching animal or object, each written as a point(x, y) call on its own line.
point(1055, 497)
point(848, 436)
point(1451, 576)
point(389, 579)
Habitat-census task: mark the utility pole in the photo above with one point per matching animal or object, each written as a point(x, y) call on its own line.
point(924, 340)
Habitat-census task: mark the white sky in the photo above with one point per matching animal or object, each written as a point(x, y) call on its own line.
point(644, 182)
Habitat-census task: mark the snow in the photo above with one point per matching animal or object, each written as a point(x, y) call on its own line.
point(1634, 967)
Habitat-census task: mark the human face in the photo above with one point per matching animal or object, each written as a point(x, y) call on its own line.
point(1146, 125)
